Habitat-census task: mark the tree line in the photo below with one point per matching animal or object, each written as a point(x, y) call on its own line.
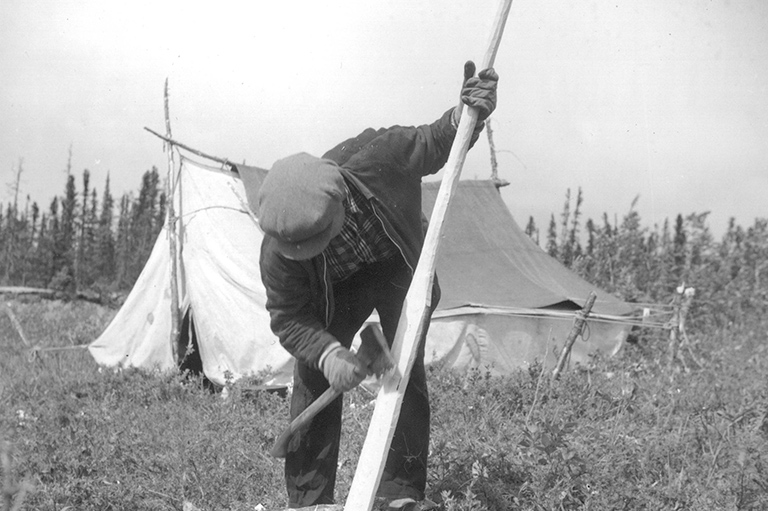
point(83, 241)
point(86, 241)
point(642, 264)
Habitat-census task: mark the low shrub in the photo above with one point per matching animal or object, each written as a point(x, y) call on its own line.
point(628, 432)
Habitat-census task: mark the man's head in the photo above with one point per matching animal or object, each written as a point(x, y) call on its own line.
point(301, 204)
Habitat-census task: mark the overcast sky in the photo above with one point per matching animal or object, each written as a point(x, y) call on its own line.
point(663, 100)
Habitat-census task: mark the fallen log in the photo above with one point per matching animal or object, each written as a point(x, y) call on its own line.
point(112, 300)
point(22, 290)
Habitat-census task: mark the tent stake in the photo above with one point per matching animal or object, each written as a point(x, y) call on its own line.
point(16, 324)
point(415, 314)
point(681, 303)
point(172, 235)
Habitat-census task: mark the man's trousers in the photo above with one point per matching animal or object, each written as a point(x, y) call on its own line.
point(310, 471)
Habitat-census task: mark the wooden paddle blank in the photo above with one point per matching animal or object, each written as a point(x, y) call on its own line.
point(415, 313)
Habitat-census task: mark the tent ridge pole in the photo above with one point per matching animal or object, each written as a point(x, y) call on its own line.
point(171, 141)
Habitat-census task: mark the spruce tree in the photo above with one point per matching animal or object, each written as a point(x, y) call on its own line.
point(65, 243)
point(23, 246)
point(145, 222)
point(573, 235)
point(552, 248)
point(12, 262)
point(91, 253)
point(531, 230)
point(679, 250)
point(9, 241)
point(104, 243)
point(80, 249)
point(50, 242)
point(36, 264)
point(590, 226)
point(565, 250)
point(124, 243)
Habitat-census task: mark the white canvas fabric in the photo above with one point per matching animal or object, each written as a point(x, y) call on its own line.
point(219, 279)
point(502, 340)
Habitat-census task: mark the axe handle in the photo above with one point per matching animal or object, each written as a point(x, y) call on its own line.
point(280, 449)
point(371, 338)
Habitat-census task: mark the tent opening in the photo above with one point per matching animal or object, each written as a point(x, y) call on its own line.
point(190, 363)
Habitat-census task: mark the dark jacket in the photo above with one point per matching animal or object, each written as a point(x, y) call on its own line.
point(387, 166)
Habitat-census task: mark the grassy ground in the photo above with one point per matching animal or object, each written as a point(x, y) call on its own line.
point(626, 433)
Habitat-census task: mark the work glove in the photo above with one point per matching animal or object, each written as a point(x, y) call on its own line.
point(478, 91)
point(342, 369)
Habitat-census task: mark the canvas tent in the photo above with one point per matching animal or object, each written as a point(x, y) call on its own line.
point(505, 302)
point(219, 281)
point(503, 298)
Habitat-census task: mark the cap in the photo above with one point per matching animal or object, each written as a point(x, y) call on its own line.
point(301, 204)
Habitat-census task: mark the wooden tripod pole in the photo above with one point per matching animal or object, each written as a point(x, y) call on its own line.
point(173, 231)
point(415, 313)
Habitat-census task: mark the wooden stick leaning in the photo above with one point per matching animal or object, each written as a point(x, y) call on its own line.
point(16, 324)
point(415, 312)
point(576, 330)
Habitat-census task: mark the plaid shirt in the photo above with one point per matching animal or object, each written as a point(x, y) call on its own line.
point(362, 239)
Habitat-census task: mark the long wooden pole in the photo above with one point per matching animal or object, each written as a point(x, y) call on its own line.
point(416, 309)
point(171, 141)
point(172, 235)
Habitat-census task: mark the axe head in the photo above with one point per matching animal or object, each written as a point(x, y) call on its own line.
point(374, 351)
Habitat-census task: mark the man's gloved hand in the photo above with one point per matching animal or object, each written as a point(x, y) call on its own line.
point(342, 369)
point(479, 91)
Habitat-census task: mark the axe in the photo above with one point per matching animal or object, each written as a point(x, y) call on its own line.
point(373, 353)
